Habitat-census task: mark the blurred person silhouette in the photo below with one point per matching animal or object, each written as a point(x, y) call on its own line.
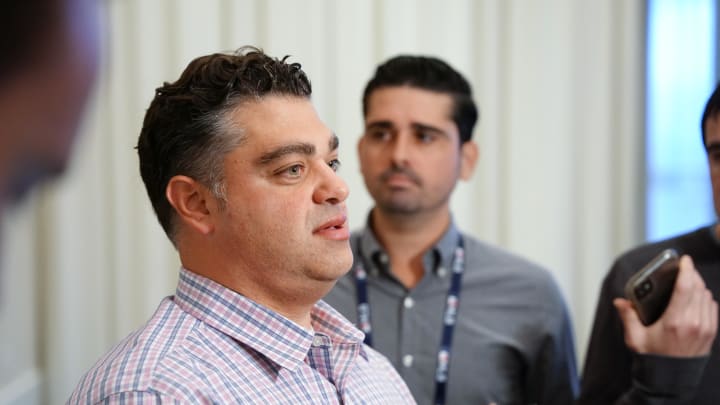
point(676, 359)
point(49, 62)
point(241, 173)
point(462, 321)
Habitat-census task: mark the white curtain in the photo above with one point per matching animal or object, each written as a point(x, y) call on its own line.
point(560, 180)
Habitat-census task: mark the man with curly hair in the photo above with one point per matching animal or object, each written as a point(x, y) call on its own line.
point(242, 175)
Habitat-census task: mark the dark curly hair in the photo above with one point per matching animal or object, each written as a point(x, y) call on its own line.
point(186, 129)
point(431, 74)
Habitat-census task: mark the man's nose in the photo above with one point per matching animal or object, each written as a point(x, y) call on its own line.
point(331, 189)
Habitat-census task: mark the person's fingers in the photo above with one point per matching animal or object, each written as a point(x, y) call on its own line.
point(713, 319)
point(693, 311)
point(696, 325)
point(692, 316)
point(709, 321)
point(631, 323)
point(699, 282)
point(689, 313)
point(687, 328)
point(625, 310)
point(684, 284)
point(704, 309)
point(690, 322)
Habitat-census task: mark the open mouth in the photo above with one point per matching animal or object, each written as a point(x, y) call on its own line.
point(335, 223)
point(336, 228)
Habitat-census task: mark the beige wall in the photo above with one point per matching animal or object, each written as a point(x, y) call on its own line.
point(559, 84)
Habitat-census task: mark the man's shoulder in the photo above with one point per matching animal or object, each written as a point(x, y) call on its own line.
point(503, 273)
point(490, 259)
point(698, 244)
point(511, 289)
point(134, 363)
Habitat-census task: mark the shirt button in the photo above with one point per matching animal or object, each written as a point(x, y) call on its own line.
point(441, 271)
point(407, 360)
point(317, 341)
point(408, 302)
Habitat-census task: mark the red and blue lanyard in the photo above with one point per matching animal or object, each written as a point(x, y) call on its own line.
point(452, 303)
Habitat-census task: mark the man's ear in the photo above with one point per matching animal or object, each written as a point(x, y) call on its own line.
point(191, 201)
point(469, 153)
point(360, 146)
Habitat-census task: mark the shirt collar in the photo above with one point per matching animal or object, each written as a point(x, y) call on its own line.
point(371, 249)
point(448, 243)
point(265, 331)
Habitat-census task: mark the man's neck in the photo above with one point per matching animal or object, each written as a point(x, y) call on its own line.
point(283, 299)
point(407, 238)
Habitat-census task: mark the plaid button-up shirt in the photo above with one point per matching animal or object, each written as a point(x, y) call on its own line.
point(210, 345)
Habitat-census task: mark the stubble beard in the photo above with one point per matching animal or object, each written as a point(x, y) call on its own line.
point(398, 205)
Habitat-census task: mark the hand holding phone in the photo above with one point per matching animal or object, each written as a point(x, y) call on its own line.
point(650, 288)
point(686, 328)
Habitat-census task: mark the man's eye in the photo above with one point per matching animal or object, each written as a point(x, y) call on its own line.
point(334, 165)
point(294, 170)
point(425, 137)
point(379, 134)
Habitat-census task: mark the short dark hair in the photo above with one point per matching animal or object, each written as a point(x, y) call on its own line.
point(712, 108)
point(432, 74)
point(186, 129)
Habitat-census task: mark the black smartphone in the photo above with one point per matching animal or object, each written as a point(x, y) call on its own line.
point(651, 287)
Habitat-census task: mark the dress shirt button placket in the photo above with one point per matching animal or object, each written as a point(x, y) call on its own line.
point(318, 341)
point(407, 360)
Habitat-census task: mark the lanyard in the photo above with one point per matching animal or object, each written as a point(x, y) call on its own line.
point(452, 303)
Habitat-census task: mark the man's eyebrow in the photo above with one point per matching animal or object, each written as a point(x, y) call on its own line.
point(334, 142)
point(416, 126)
point(277, 153)
point(430, 128)
point(379, 124)
point(301, 148)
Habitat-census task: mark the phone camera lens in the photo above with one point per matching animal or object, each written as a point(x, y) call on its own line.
point(643, 289)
